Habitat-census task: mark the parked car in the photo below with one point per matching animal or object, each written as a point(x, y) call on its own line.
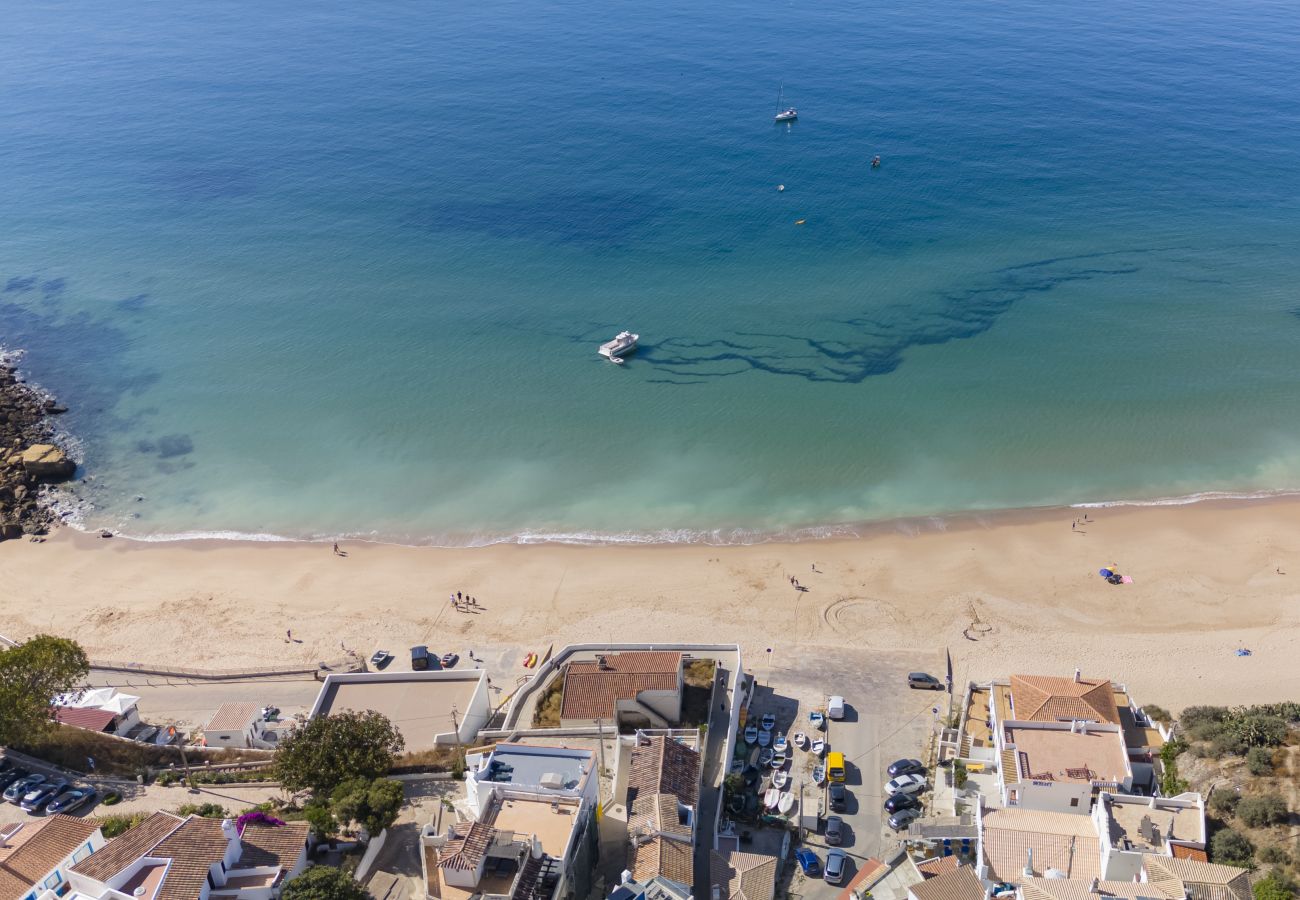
point(905, 767)
point(9, 777)
point(837, 861)
point(903, 818)
point(835, 707)
point(906, 784)
point(35, 799)
point(839, 796)
point(924, 682)
point(834, 830)
point(897, 802)
point(808, 861)
point(380, 658)
point(450, 659)
point(71, 799)
point(16, 791)
point(420, 658)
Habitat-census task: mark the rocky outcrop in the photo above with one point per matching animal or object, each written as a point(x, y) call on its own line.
point(28, 457)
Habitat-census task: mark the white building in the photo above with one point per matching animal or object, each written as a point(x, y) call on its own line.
point(35, 855)
point(239, 725)
point(434, 708)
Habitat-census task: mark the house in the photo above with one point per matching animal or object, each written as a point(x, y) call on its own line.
point(1048, 698)
point(35, 856)
point(1074, 889)
point(1016, 844)
point(167, 857)
point(892, 879)
point(434, 708)
point(657, 888)
point(98, 709)
point(641, 688)
point(742, 876)
point(239, 725)
point(662, 793)
point(544, 771)
point(1132, 828)
point(472, 859)
point(1058, 766)
point(1196, 880)
point(960, 883)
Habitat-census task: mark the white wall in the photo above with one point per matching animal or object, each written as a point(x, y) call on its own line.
point(1051, 796)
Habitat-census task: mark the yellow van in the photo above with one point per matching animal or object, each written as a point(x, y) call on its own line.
point(835, 766)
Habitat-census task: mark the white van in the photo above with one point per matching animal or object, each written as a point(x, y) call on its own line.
point(835, 708)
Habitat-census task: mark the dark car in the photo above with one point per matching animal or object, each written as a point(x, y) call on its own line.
point(924, 682)
point(42, 794)
point(897, 802)
point(837, 861)
point(905, 767)
point(71, 799)
point(834, 830)
point(450, 659)
point(8, 778)
point(420, 658)
point(839, 796)
point(903, 818)
point(16, 791)
point(809, 862)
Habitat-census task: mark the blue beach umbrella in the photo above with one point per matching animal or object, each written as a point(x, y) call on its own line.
point(1105, 573)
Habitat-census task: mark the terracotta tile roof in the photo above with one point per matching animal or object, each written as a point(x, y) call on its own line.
point(1196, 880)
point(192, 848)
point(869, 872)
point(89, 719)
point(466, 851)
point(125, 849)
point(592, 692)
point(937, 866)
point(662, 774)
point(233, 717)
point(1075, 889)
point(1182, 852)
point(1061, 841)
point(1047, 698)
point(667, 856)
point(959, 884)
point(272, 845)
point(57, 838)
point(743, 876)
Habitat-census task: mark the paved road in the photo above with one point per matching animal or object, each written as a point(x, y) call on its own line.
point(711, 787)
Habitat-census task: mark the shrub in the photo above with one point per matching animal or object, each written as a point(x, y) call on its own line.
point(1289, 710)
point(324, 883)
point(959, 774)
point(1227, 743)
point(202, 810)
point(372, 804)
point(1158, 714)
point(1262, 810)
point(1170, 784)
point(166, 778)
point(112, 826)
point(1194, 716)
point(112, 798)
point(1274, 854)
point(1277, 886)
point(1223, 803)
point(1260, 730)
point(547, 712)
point(458, 766)
point(1232, 848)
point(700, 673)
point(320, 819)
point(1259, 760)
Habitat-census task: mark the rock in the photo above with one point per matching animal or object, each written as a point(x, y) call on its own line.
point(54, 409)
point(46, 461)
point(106, 533)
point(20, 492)
point(10, 532)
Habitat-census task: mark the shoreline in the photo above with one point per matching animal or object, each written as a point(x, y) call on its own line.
point(1206, 581)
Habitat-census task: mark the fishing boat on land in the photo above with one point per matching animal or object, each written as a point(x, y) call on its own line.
point(780, 779)
point(801, 740)
point(768, 721)
point(765, 756)
point(780, 745)
point(785, 802)
point(817, 719)
point(818, 747)
point(764, 737)
point(771, 798)
point(751, 734)
point(819, 775)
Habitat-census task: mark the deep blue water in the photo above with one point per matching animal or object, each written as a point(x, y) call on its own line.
point(307, 269)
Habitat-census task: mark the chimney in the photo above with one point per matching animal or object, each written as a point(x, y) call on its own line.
point(1029, 863)
point(1078, 675)
point(625, 877)
point(536, 849)
point(1095, 887)
point(229, 830)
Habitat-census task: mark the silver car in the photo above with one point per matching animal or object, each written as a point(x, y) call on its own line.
point(837, 862)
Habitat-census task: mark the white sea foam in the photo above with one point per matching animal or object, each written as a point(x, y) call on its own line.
point(1187, 499)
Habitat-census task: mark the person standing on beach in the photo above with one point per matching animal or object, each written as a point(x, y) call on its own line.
point(336, 549)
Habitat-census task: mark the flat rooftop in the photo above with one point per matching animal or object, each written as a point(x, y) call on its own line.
point(420, 709)
point(1063, 755)
point(1126, 827)
point(552, 824)
point(522, 764)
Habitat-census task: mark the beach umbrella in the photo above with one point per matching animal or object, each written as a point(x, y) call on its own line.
point(1105, 573)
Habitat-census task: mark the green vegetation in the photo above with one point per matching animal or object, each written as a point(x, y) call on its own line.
point(1274, 855)
point(439, 759)
point(1220, 731)
point(1259, 760)
point(202, 810)
point(1262, 810)
point(1170, 784)
point(959, 774)
point(458, 765)
point(1276, 886)
point(327, 751)
point(701, 672)
point(30, 675)
point(1223, 802)
point(1158, 714)
point(373, 805)
point(112, 826)
point(1232, 848)
point(547, 712)
point(323, 883)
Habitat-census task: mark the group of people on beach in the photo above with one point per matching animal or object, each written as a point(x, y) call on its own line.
point(1077, 522)
point(463, 602)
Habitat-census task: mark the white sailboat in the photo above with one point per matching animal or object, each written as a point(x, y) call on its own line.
point(789, 113)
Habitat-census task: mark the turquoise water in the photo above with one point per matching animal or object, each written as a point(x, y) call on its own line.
point(310, 269)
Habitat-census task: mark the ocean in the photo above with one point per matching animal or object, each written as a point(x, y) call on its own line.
point(318, 269)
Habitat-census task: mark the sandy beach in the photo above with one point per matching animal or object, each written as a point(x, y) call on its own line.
point(1008, 592)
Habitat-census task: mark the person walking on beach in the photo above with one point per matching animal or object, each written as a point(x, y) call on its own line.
point(288, 635)
point(458, 596)
point(336, 549)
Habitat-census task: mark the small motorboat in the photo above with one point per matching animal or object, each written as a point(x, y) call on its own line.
point(818, 747)
point(780, 744)
point(801, 740)
point(780, 779)
point(817, 719)
point(764, 738)
point(765, 756)
point(778, 760)
point(785, 802)
point(751, 733)
point(768, 721)
point(771, 798)
point(737, 766)
point(617, 360)
point(819, 775)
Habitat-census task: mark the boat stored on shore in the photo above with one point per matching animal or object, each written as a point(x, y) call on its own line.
point(624, 342)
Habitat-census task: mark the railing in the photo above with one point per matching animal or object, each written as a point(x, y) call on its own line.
point(350, 664)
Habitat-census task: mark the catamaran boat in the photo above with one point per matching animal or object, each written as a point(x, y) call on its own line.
point(623, 343)
point(780, 745)
point(751, 733)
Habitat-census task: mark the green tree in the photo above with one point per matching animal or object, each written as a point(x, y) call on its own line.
point(1232, 848)
point(320, 819)
point(31, 674)
point(323, 883)
point(1259, 760)
point(1262, 810)
point(329, 750)
point(372, 804)
point(1275, 887)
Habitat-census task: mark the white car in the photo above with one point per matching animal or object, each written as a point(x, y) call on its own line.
point(905, 784)
point(835, 708)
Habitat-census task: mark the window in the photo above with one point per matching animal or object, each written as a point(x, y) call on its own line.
point(82, 853)
point(53, 881)
point(1074, 801)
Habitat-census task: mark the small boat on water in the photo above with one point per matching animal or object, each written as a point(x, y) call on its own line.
point(771, 798)
point(764, 738)
point(780, 778)
point(789, 113)
point(785, 802)
point(623, 343)
point(751, 733)
point(768, 721)
point(818, 747)
point(801, 740)
point(819, 775)
point(778, 760)
point(765, 756)
point(780, 745)
point(817, 719)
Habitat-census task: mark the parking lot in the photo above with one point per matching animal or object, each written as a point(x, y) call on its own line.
point(884, 720)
